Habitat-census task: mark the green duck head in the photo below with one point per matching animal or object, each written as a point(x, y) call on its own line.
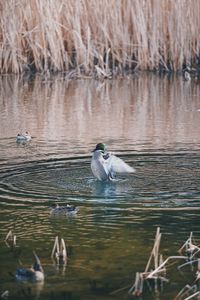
point(101, 147)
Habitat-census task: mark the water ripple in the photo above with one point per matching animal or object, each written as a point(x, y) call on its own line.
point(161, 181)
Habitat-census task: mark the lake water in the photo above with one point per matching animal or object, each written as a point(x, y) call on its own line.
point(153, 124)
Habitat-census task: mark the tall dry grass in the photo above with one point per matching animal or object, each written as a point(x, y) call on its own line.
point(98, 35)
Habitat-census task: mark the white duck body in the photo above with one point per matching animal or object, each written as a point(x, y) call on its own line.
point(99, 166)
point(105, 166)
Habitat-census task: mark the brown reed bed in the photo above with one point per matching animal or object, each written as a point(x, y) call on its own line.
point(101, 38)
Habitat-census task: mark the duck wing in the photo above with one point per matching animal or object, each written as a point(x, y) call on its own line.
point(24, 274)
point(117, 165)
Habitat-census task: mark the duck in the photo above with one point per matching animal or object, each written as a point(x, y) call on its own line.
point(63, 210)
point(187, 76)
point(186, 73)
point(23, 137)
point(105, 165)
point(34, 274)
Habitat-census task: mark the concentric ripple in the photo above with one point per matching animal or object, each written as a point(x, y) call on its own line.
point(161, 181)
point(162, 184)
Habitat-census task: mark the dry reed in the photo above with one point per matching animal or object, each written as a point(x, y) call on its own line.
point(10, 239)
point(59, 252)
point(98, 36)
point(155, 268)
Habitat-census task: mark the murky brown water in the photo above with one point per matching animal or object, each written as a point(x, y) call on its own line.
point(153, 124)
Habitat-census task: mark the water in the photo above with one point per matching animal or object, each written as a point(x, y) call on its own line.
point(153, 124)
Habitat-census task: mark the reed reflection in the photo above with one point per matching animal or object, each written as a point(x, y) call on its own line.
point(66, 120)
point(137, 112)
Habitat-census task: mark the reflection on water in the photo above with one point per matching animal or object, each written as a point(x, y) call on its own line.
point(105, 189)
point(70, 117)
point(153, 124)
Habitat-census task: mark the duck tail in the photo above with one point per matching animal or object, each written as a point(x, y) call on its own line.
point(36, 258)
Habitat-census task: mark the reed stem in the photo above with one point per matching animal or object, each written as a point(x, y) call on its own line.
point(98, 37)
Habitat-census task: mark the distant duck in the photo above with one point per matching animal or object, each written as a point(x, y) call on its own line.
point(34, 274)
point(63, 210)
point(187, 76)
point(105, 165)
point(23, 137)
point(187, 73)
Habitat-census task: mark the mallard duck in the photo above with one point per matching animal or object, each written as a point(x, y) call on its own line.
point(23, 137)
point(63, 210)
point(187, 76)
point(35, 273)
point(186, 73)
point(105, 165)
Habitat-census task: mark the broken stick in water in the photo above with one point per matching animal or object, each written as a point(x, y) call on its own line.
point(59, 252)
point(155, 268)
point(189, 247)
point(10, 239)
